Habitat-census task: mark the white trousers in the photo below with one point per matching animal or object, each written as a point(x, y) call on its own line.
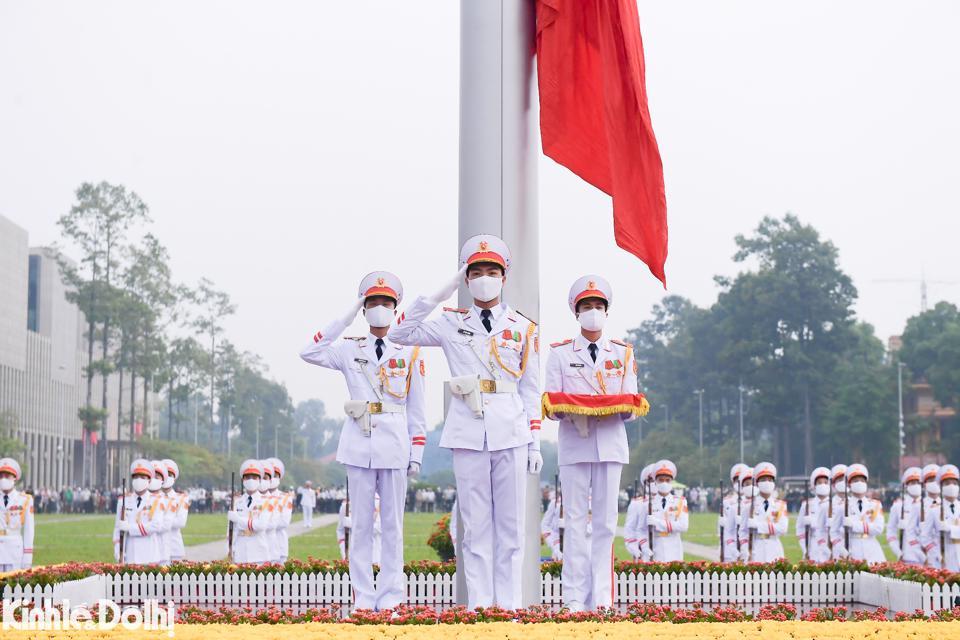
point(390, 589)
point(588, 561)
point(307, 515)
point(491, 488)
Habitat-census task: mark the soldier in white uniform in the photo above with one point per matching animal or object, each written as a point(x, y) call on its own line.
point(549, 526)
point(158, 494)
point(345, 522)
point(493, 425)
point(591, 450)
point(864, 520)
point(838, 479)
point(142, 518)
point(635, 536)
point(178, 508)
point(382, 441)
point(904, 521)
point(669, 515)
point(931, 504)
point(763, 525)
point(249, 517)
point(308, 500)
point(948, 477)
point(16, 520)
point(283, 510)
point(727, 520)
point(812, 523)
point(269, 505)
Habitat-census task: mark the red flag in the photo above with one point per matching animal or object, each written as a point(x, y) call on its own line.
point(594, 118)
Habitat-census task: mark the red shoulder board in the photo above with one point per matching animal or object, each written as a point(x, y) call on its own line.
point(455, 310)
point(620, 342)
point(554, 345)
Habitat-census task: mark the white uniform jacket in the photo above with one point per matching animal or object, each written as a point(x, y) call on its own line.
point(509, 353)
point(16, 530)
point(396, 378)
point(570, 369)
point(142, 542)
point(250, 535)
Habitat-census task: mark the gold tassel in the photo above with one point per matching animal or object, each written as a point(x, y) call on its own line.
point(549, 409)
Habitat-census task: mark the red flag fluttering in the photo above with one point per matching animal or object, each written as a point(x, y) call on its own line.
point(594, 118)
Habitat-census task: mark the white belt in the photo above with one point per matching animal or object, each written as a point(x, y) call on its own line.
point(376, 408)
point(497, 386)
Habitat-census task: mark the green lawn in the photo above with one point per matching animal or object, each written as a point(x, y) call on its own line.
point(87, 538)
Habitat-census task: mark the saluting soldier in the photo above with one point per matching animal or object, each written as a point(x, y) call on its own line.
point(669, 516)
point(493, 424)
point(592, 449)
point(904, 520)
point(178, 508)
point(812, 523)
point(763, 525)
point(250, 518)
point(382, 440)
point(16, 520)
point(140, 518)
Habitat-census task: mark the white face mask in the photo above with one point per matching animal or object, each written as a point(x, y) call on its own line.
point(840, 487)
point(913, 490)
point(766, 487)
point(485, 288)
point(822, 490)
point(6, 484)
point(592, 320)
point(933, 488)
point(274, 483)
point(156, 483)
point(663, 488)
point(168, 483)
point(264, 485)
point(379, 316)
point(139, 484)
point(251, 484)
point(951, 491)
point(859, 487)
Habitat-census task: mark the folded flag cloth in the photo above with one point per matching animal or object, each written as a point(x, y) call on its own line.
point(584, 404)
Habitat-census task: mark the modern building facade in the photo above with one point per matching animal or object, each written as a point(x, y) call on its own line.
point(42, 374)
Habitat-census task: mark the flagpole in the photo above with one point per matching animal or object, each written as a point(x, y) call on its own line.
point(499, 145)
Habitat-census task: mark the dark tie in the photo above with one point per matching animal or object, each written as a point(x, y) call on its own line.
point(663, 503)
point(379, 344)
point(6, 499)
point(485, 318)
point(249, 501)
point(951, 507)
point(860, 505)
point(766, 505)
point(138, 501)
point(592, 348)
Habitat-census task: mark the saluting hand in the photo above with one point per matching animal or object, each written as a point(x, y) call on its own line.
point(352, 313)
point(447, 290)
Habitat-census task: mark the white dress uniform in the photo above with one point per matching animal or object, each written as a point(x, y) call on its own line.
point(949, 526)
point(383, 436)
point(632, 535)
point(727, 519)
point(308, 501)
point(590, 454)
point(492, 426)
point(344, 522)
point(178, 508)
point(283, 510)
point(764, 523)
point(143, 515)
point(669, 518)
point(812, 522)
point(838, 480)
point(931, 504)
point(549, 529)
point(165, 523)
point(250, 520)
point(904, 520)
point(16, 523)
point(270, 507)
point(864, 520)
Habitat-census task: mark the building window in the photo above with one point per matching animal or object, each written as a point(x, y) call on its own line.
point(33, 295)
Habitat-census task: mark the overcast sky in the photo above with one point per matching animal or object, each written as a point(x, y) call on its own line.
point(287, 148)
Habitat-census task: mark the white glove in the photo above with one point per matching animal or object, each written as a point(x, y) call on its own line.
point(658, 523)
point(349, 317)
point(557, 554)
point(347, 523)
point(413, 469)
point(895, 547)
point(757, 523)
point(447, 290)
point(534, 461)
point(26, 561)
point(235, 517)
point(126, 526)
point(851, 522)
point(809, 520)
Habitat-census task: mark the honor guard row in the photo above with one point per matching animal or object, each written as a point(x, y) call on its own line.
point(924, 523)
point(150, 517)
point(260, 514)
point(492, 426)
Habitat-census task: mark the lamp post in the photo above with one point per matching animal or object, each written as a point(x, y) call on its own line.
point(699, 394)
point(900, 367)
point(741, 390)
point(259, 420)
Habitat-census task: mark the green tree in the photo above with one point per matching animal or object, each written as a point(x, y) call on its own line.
point(931, 349)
